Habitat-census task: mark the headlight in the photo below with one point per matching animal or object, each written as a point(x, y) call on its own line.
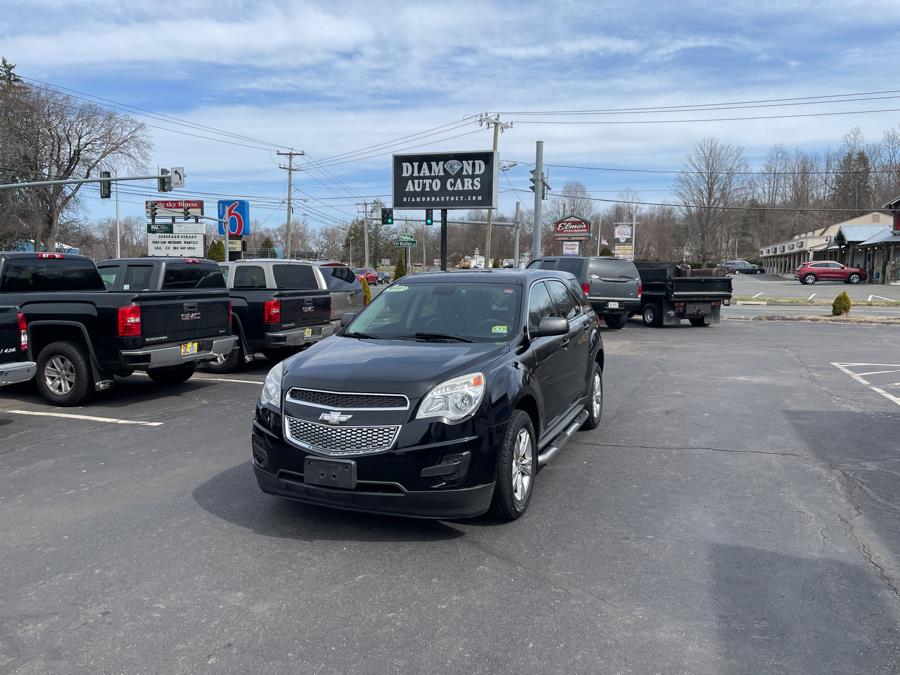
point(271, 391)
point(454, 399)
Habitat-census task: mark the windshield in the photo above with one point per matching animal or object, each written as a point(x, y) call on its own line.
point(441, 311)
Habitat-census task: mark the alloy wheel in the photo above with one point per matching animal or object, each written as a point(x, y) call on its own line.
point(59, 374)
point(522, 466)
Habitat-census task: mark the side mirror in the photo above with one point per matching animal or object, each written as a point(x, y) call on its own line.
point(347, 317)
point(551, 325)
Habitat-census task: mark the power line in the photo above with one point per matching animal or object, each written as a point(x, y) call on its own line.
point(712, 106)
point(710, 119)
point(704, 173)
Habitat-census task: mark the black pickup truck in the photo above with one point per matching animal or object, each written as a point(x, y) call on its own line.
point(15, 366)
point(279, 306)
point(81, 334)
point(672, 293)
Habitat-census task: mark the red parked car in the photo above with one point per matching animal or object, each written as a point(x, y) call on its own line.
point(368, 273)
point(828, 270)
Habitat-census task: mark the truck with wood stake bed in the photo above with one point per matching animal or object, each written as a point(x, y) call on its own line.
point(81, 335)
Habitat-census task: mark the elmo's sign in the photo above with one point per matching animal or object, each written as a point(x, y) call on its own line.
point(572, 227)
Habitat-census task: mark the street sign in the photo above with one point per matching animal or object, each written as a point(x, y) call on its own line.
point(572, 227)
point(181, 245)
point(446, 180)
point(177, 176)
point(174, 208)
point(237, 213)
point(405, 240)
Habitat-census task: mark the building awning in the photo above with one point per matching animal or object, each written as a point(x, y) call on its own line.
point(833, 247)
point(885, 237)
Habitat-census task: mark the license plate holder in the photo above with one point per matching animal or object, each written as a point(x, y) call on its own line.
point(612, 305)
point(190, 348)
point(333, 473)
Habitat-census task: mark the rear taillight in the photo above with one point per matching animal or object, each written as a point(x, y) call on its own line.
point(272, 311)
point(229, 313)
point(191, 261)
point(129, 321)
point(48, 256)
point(586, 287)
point(640, 290)
point(23, 332)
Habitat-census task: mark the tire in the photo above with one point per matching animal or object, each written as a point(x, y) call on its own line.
point(615, 321)
point(227, 364)
point(595, 401)
point(173, 375)
point(64, 374)
point(698, 321)
point(512, 491)
point(809, 279)
point(854, 278)
point(652, 314)
point(276, 355)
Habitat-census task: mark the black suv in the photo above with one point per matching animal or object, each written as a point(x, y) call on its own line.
point(612, 285)
point(439, 400)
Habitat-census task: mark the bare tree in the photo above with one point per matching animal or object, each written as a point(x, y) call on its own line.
point(713, 180)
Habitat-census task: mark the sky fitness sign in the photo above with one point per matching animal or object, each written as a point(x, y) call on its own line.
point(446, 180)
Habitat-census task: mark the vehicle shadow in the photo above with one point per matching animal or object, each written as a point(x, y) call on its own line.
point(234, 496)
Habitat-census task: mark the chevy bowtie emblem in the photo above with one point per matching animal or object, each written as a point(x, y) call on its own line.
point(334, 417)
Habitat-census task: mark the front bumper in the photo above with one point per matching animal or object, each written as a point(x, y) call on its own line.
point(20, 371)
point(406, 480)
point(168, 355)
point(298, 337)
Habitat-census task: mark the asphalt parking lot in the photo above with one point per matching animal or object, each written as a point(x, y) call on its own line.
point(769, 286)
point(735, 512)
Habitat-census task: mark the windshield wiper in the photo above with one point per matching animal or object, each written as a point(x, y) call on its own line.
point(440, 336)
point(362, 336)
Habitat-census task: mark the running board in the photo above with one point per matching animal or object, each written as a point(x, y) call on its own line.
point(560, 441)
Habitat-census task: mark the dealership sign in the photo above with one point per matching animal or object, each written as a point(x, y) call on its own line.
point(572, 227)
point(446, 180)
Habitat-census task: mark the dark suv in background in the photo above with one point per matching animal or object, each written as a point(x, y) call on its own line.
point(613, 285)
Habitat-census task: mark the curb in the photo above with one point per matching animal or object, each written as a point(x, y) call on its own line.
point(843, 320)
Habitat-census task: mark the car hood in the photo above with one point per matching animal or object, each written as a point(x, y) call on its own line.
point(386, 366)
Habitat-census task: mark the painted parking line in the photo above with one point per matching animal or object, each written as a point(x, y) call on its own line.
point(86, 418)
point(848, 368)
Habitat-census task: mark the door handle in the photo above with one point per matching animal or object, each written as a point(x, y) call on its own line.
point(565, 342)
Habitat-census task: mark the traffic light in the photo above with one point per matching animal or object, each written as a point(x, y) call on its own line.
point(105, 185)
point(429, 216)
point(153, 211)
point(387, 216)
point(164, 182)
point(533, 180)
point(186, 212)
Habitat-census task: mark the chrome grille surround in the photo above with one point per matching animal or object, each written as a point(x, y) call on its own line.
point(340, 441)
point(345, 400)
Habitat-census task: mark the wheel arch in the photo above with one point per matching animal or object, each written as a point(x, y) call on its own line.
point(42, 333)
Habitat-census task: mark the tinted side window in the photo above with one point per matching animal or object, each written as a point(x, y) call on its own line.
point(249, 276)
point(108, 274)
point(573, 265)
point(192, 275)
point(300, 277)
point(137, 278)
point(539, 305)
point(340, 279)
point(23, 275)
point(534, 265)
point(565, 303)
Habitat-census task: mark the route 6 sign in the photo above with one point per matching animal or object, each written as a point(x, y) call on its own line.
point(236, 213)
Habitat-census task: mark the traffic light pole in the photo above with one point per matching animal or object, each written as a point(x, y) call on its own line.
point(76, 181)
point(443, 240)
point(538, 200)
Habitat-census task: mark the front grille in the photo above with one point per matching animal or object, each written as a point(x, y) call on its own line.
point(339, 441)
point(347, 401)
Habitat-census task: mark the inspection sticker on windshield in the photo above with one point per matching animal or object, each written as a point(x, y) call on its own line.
point(396, 289)
point(502, 330)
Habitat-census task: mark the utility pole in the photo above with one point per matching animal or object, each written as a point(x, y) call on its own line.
point(498, 127)
point(366, 234)
point(290, 154)
point(599, 230)
point(538, 200)
point(118, 232)
point(518, 228)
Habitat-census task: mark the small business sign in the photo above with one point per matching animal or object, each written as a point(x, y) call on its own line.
point(235, 245)
point(173, 208)
point(571, 247)
point(622, 232)
point(182, 245)
point(446, 180)
point(572, 227)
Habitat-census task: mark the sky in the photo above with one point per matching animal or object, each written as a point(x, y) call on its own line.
point(351, 82)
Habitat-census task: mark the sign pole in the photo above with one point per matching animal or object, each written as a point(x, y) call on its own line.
point(538, 196)
point(518, 227)
point(443, 240)
point(118, 231)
